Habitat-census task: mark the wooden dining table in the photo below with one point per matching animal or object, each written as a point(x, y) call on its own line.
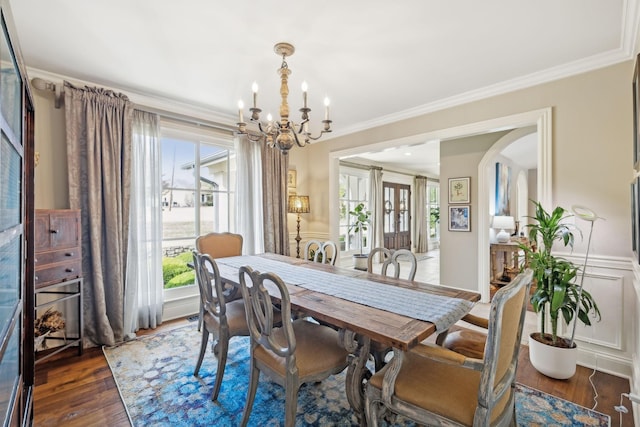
point(358, 323)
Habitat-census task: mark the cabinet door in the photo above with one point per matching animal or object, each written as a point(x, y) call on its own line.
point(64, 229)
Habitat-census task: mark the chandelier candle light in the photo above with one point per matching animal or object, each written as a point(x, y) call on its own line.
point(283, 133)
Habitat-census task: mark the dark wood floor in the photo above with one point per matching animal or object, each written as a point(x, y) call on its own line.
point(76, 390)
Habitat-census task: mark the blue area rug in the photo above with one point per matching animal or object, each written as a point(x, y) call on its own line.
point(154, 374)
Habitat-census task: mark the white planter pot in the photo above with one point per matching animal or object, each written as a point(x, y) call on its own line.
point(554, 362)
point(360, 262)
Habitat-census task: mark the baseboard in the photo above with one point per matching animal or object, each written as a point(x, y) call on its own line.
point(180, 307)
point(607, 363)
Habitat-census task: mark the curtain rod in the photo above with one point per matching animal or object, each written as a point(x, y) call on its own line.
point(365, 167)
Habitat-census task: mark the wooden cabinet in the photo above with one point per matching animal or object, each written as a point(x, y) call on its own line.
point(57, 246)
point(58, 270)
point(506, 269)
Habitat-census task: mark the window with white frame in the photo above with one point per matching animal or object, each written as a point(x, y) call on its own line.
point(198, 195)
point(433, 210)
point(353, 188)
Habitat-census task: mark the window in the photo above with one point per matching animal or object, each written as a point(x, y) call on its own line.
point(198, 196)
point(433, 210)
point(354, 185)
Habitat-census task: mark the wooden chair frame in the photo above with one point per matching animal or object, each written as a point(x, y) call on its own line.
point(213, 300)
point(499, 358)
point(324, 252)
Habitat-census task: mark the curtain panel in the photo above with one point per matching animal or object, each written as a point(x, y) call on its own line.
point(144, 294)
point(376, 208)
point(422, 225)
point(275, 165)
point(98, 127)
point(249, 215)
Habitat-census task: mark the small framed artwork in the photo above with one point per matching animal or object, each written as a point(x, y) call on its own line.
point(292, 178)
point(459, 218)
point(459, 190)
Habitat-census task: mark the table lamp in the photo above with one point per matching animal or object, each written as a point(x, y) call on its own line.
point(503, 223)
point(298, 204)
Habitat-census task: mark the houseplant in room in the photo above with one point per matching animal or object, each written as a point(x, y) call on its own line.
point(359, 225)
point(558, 297)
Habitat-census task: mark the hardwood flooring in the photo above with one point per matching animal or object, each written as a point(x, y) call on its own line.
point(79, 391)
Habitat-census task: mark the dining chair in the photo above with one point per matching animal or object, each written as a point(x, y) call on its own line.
point(221, 318)
point(218, 245)
point(468, 342)
point(298, 352)
point(432, 385)
point(391, 258)
point(322, 252)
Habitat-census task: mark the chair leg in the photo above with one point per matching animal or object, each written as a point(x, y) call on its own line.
point(203, 349)
point(254, 376)
point(223, 348)
point(290, 404)
point(200, 316)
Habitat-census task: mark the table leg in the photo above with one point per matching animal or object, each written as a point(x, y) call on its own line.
point(357, 372)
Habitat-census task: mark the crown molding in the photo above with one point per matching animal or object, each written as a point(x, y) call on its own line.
point(545, 76)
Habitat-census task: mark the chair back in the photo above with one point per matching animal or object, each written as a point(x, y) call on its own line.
point(255, 288)
point(506, 321)
point(212, 294)
point(220, 245)
point(323, 252)
point(392, 259)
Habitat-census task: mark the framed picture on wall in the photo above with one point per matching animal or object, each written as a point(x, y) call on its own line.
point(292, 178)
point(459, 190)
point(459, 218)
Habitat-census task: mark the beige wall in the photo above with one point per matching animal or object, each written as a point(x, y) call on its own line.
point(51, 189)
point(592, 145)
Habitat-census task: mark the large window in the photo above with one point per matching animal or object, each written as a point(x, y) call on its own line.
point(433, 210)
point(198, 197)
point(354, 185)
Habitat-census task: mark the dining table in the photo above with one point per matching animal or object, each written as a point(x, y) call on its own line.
point(362, 306)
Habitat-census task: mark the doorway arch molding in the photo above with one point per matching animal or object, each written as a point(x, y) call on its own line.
point(541, 119)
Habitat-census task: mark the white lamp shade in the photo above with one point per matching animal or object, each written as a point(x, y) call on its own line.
point(503, 223)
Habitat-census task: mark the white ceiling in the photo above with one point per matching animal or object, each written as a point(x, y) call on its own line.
point(378, 61)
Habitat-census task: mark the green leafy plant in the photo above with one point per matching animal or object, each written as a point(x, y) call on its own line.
point(557, 295)
point(361, 222)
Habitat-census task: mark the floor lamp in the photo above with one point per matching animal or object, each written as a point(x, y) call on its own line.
point(298, 205)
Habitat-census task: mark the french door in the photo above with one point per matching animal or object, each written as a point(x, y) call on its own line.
point(397, 215)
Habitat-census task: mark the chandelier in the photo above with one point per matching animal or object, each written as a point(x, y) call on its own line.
point(284, 133)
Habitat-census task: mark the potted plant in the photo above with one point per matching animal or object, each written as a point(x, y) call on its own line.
point(557, 295)
point(359, 225)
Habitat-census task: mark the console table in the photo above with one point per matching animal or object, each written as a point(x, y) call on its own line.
point(510, 262)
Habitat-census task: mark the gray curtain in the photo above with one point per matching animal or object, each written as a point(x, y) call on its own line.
point(376, 206)
point(99, 126)
point(422, 224)
point(274, 198)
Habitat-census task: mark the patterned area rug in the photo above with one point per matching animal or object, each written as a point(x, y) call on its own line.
point(155, 377)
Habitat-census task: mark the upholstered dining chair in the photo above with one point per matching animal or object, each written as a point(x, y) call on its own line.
point(218, 245)
point(298, 352)
point(377, 350)
point(323, 252)
point(432, 385)
point(221, 318)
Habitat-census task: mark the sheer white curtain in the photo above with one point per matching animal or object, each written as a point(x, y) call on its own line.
point(375, 206)
point(144, 286)
point(422, 228)
point(249, 218)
